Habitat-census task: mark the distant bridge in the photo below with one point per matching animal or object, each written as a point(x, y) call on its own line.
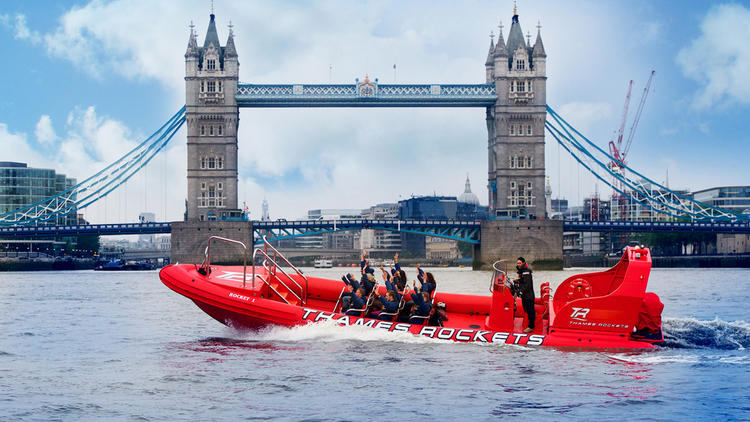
point(465, 231)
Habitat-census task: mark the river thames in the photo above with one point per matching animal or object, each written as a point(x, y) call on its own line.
point(85, 345)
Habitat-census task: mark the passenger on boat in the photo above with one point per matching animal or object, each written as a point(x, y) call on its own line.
point(389, 303)
point(357, 302)
point(421, 308)
point(375, 309)
point(364, 264)
point(438, 315)
point(428, 283)
point(367, 282)
point(351, 286)
point(525, 288)
point(399, 275)
point(393, 287)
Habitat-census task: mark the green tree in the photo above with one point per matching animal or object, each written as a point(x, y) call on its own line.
point(88, 243)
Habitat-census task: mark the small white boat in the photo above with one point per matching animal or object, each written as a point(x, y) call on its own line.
point(323, 263)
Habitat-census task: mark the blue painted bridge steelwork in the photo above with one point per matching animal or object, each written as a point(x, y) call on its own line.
point(74, 230)
point(655, 226)
point(366, 94)
point(465, 231)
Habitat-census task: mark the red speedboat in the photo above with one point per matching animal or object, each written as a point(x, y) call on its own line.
point(608, 309)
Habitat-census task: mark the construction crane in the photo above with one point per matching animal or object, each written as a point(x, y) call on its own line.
point(616, 148)
point(614, 145)
point(619, 152)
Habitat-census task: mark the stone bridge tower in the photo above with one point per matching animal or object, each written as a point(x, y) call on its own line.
point(212, 117)
point(515, 124)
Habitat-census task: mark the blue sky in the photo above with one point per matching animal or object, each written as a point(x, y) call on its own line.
point(84, 81)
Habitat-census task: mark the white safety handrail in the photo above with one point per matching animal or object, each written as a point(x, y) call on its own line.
point(270, 264)
point(206, 265)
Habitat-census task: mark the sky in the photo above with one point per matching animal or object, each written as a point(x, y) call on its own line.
point(84, 81)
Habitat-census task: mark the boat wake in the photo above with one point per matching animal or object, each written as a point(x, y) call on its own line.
point(690, 333)
point(328, 331)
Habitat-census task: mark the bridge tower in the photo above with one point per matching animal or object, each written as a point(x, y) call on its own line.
point(212, 118)
point(515, 124)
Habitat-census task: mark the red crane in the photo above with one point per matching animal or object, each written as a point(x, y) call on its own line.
point(614, 145)
point(620, 152)
point(616, 149)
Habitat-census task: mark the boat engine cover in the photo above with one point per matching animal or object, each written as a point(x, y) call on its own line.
point(649, 318)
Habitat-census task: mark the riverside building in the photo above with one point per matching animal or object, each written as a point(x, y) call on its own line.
point(21, 186)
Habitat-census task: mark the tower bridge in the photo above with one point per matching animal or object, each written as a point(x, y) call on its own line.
point(513, 96)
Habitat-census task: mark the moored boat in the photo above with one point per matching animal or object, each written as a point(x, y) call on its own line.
point(607, 309)
point(323, 263)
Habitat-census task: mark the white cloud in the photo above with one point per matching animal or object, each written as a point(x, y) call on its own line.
point(44, 131)
point(585, 115)
point(20, 29)
point(16, 147)
point(23, 32)
point(719, 59)
point(305, 158)
point(90, 143)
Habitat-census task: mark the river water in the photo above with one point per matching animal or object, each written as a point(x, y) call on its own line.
point(121, 346)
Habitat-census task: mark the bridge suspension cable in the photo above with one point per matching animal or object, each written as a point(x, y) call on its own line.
point(632, 184)
point(100, 184)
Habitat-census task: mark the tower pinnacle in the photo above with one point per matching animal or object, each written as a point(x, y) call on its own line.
point(515, 9)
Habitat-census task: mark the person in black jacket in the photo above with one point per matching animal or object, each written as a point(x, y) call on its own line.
point(525, 289)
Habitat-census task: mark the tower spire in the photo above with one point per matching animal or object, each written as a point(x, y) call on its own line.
point(515, 8)
point(212, 7)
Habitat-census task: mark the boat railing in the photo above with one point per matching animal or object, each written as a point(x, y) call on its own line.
point(272, 264)
point(271, 287)
point(500, 270)
point(339, 299)
point(205, 268)
point(271, 270)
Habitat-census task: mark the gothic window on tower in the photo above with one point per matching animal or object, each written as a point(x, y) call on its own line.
point(512, 129)
point(211, 130)
point(203, 165)
point(219, 86)
point(211, 162)
point(219, 130)
point(219, 163)
point(529, 162)
point(203, 130)
point(211, 85)
point(211, 64)
point(528, 130)
point(220, 186)
point(203, 185)
point(203, 86)
point(520, 64)
point(521, 86)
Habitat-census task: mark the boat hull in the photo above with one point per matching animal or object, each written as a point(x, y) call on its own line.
point(223, 295)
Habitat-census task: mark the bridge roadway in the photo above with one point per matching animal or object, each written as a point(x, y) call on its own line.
point(459, 230)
